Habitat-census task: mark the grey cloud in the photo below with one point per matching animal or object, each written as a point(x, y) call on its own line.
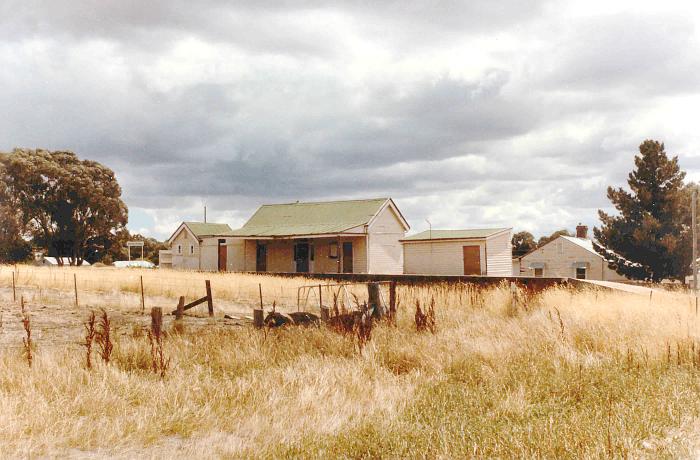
point(638, 54)
point(494, 148)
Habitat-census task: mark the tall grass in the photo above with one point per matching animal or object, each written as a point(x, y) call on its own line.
point(561, 374)
point(123, 286)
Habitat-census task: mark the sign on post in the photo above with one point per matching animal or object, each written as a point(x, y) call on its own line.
point(134, 244)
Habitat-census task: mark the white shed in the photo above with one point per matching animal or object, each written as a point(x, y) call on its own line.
point(485, 252)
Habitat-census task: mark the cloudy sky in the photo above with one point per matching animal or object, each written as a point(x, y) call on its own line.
point(470, 114)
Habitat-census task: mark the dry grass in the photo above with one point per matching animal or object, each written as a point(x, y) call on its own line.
point(563, 374)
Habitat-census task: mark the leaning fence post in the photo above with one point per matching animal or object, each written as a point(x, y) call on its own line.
point(156, 320)
point(180, 308)
point(210, 301)
point(143, 302)
point(14, 289)
point(75, 285)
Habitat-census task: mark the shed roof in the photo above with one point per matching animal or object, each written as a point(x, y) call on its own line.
point(207, 229)
point(201, 229)
point(464, 234)
point(291, 219)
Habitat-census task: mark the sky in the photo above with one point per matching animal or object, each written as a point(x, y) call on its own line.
point(469, 114)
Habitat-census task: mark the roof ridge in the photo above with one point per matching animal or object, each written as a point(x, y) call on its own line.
point(326, 202)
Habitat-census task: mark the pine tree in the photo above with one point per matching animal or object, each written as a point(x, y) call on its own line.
point(650, 238)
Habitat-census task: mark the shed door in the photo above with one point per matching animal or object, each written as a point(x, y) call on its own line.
point(222, 257)
point(472, 260)
point(261, 258)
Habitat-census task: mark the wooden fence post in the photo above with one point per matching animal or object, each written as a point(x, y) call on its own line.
point(258, 318)
point(180, 308)
point(392, 299)
point(374, 300)
point(210, 301)
point(75, 285)
point(14, 289)
point(156, 320)
point(325, 311)
point(143, 302)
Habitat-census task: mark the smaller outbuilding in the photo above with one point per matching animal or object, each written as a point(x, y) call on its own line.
point(479, 252)
point(197, 246)
point(570, 257)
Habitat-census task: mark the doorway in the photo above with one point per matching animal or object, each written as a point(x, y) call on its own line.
point(347, 257)
point(472, 260)
point(222, 255)
point(261, 258)
point(301, 257)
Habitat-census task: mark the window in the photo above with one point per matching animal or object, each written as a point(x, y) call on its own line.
point(333, 250)
point(179, 249)
point(539, 272)
point(580, 273)
point(191, 248)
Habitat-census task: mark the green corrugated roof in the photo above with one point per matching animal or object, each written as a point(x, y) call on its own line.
point(291, 219)
point(454, 234)
point(206, 229)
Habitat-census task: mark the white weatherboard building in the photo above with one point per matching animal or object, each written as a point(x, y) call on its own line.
point(480, 252)
point(568, 257)
point(353, 236)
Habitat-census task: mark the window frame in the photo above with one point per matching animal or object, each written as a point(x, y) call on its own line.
point(333, 252)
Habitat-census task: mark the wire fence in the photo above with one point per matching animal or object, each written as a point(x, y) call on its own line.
point(137, 288)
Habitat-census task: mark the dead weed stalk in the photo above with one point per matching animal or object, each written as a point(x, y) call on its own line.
point(103, 337)
point(27, 341)
point(89, 338)
point(425, 321)
point(159, 364)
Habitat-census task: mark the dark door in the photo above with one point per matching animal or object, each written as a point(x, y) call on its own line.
point(301, 257)
point(222, 256)
point(261, 258)
point(347, 257)
point(472, 260)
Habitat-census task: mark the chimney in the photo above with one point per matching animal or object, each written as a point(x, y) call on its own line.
point(581, 231)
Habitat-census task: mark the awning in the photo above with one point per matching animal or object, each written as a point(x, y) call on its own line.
point(534, 265)
point(580, 265)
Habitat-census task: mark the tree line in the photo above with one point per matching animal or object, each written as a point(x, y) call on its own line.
point(73, 208)
point(68, 207)
point(650, 235)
